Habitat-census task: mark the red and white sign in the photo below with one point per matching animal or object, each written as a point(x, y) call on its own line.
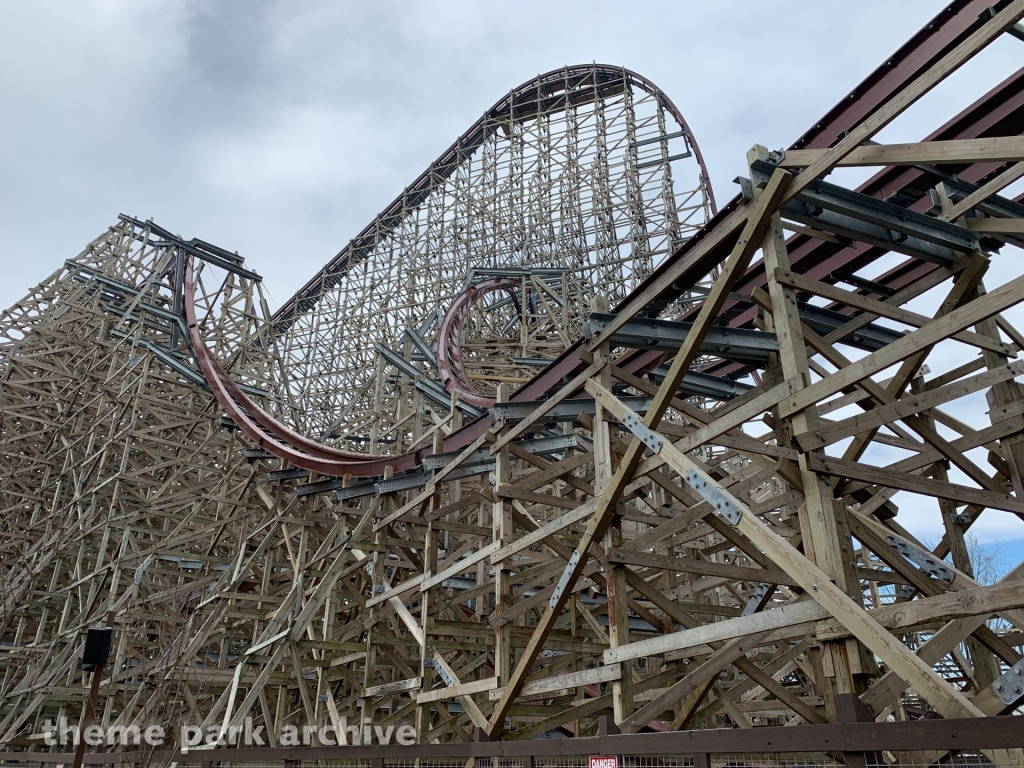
point(604, 761)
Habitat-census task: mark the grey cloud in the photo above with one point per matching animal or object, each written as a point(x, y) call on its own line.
point(281, 128)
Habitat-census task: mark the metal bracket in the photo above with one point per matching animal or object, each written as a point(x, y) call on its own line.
point(763, 167)
point(756, 598)
point(746, 188)
point(1010, 686)
point(923, 560)
point(441, 672)
point(137, 579)
point(564, 578)
point(715, 497)
point(646, 436)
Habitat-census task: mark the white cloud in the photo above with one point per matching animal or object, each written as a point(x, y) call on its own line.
point(284, 127)
point(281, 128)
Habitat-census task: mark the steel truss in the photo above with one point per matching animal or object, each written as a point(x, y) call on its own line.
point(680, 523)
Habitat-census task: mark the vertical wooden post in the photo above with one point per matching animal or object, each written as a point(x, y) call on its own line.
point(501, 521)
point(821, 531)
point(370, 663)
point(985, 665)
point(1002, 395)
point(615, 575)
point(423, 722)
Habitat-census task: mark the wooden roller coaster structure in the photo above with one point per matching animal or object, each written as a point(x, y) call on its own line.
point(550, 449)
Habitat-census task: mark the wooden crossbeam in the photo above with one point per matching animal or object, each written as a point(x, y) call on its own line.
point(813, 580)
point(957, 320)
point(910, 405)
point(868, 473)
point(733, 269)
point(700, 678)
point(984, 192)
point(995, 149)
point(979, 601)
point(883, 309)
point(702, 567)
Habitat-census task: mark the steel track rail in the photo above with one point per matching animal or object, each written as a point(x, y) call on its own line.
point(990, 115)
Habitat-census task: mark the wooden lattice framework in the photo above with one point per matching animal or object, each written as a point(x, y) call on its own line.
point(674, 526)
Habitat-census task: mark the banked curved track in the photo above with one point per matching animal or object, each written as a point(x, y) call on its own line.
point(823, 257)
point(624, 140)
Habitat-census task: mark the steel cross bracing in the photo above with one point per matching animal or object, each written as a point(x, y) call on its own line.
point(686, 520)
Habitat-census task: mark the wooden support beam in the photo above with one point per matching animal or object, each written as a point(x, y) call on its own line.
point(882, 309)
point(984, 192)
point(702, 567)
point(996, 149)
point(911, 405)
point(823, 534)
point(855, 470)
point(995, 226)
point(703, 676)
point(734, 268)
point(956, 320)
point(816, 583)
point(979, 601)
point(783, 617)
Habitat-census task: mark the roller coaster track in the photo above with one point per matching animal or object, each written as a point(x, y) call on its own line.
point(609, 540)
point(545, 93)
point(263, 429)
point(550, 93)
point(1000, 112)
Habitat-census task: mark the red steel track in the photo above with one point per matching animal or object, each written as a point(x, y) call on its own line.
point(268, 433)
point(449, 354)
point(998, 113)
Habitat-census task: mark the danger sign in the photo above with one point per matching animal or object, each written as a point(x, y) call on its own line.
point(604, 761)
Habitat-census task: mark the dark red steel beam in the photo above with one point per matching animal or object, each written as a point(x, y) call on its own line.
point(267, 432)
point(998, 113)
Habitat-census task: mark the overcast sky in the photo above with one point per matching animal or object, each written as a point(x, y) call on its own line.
point(280, 129)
